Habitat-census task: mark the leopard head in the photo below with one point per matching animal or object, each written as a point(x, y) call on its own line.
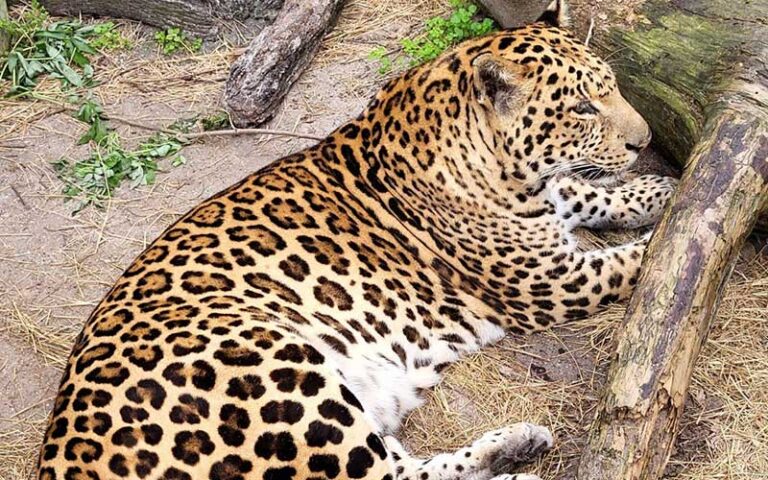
point(553, 106)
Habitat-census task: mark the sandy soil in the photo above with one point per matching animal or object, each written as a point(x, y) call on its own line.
point(54, 267)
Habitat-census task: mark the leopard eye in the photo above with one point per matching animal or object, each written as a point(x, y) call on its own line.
point(585, 107)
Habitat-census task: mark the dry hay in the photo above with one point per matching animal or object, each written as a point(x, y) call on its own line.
point(365, 24)
point(19, 441)
point(49, 341)
point(724, 433)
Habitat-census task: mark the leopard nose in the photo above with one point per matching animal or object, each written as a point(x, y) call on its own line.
point(640, 142)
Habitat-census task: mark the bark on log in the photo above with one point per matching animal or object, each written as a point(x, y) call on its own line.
point(696, 70)
point(261, 77)
point(697, 73)
point(686, 266)
point(201, 17)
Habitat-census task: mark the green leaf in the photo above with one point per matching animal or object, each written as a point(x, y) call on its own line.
point(71, 76)
point(23, 63)
point(160, 151)
point(80, 60)
point(82, 45)
point(59, 49)
point(51, 34)
point(178, 160)
point(98, 176)
point(12, 61)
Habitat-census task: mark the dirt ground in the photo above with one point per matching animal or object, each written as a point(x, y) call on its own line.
point(54, 267)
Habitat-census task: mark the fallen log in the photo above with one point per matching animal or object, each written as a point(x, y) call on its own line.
point(673, 69)
point(696, 72)
point(201, 17)
point(669, 315)
point(275, 59)
point(695, 69)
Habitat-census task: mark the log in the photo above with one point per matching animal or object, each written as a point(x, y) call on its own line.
point(673, 69)
point(275, 59)
point(695, 70)
point(200, 17)
point(669, 315)
point(697, 73)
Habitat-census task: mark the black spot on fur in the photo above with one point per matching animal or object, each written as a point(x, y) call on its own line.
point(360, 460)
point(282, 473)
point(376, 445)
point(319, 433)
point(189, 446)
point(281, 445)
point(235, 420)
point(286, 411)
point(332, 409)
point(248, 386)
point(350, 398)
point(232, 467)
point(328, 464)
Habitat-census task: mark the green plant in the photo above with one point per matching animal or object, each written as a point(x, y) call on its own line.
point(381, 55)
point(439, 35)
point(216, 121)
point(90, 113)
point(94, 179)
point(174, 39)
point(109, 37)
point(59, 49)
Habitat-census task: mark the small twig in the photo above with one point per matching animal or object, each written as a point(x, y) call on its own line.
point(136, 124)
point(18, 195)
point(213, 133)
point(248, 131)
point(192, 136)
point(590, 31)
point(184, 77)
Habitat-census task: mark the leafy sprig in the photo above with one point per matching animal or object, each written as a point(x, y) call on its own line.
point(440, 34)
point(95, 178)
point(174, 39)
point(58, 49)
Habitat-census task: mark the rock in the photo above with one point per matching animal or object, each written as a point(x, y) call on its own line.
point(514, 13)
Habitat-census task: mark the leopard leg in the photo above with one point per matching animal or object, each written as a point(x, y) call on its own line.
point(489, 457)
point(597, 278)
point(637, 203)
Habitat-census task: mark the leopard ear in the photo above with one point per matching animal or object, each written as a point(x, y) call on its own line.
point(499, 81)
point(556, 14)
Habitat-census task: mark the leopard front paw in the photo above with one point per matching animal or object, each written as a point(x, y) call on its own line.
point(646, 197)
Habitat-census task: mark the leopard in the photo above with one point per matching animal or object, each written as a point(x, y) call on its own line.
point(283, 328)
